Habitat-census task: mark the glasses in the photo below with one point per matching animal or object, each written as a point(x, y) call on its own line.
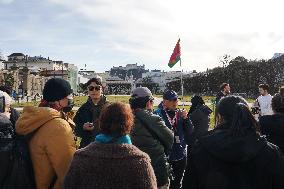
point(97, 88)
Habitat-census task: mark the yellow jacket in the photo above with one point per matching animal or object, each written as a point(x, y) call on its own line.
point(52, 145)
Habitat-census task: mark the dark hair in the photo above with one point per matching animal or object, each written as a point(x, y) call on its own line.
point(139, 102)
point(237, 115)
point(116, 119)
point(96, 80)
point(195, 102)
point(264, 86)
point(277, 102)
point(223, 85)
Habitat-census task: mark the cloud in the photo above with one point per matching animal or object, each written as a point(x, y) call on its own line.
point(6, 1)
point(106, 33)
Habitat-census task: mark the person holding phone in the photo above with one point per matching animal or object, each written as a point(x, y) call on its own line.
point(86, 118)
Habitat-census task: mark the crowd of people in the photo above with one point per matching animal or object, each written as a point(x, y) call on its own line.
point(139, 147)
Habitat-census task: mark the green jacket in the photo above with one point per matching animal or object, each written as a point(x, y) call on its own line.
point(154, 146)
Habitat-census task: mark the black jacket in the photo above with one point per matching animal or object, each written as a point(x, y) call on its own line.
point(88, 112)
point(154, 142)
point(7, 133)
point(273, 127)
point(222, 161)
point(200, 118)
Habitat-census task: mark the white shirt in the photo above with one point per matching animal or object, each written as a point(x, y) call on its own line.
point(265, 105)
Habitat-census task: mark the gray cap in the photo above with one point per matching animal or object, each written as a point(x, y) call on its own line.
point(141, 92)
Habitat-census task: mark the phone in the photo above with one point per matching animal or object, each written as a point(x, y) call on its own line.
point(2, 104)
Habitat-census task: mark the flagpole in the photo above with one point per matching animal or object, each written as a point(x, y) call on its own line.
point(181, 82)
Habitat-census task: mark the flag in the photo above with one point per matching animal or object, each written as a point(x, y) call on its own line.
point(175, 57)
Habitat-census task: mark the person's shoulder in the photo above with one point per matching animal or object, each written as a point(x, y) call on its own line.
point(57, 125)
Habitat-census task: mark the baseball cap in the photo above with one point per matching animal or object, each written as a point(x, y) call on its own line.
point(170, 95)
point(141, 92)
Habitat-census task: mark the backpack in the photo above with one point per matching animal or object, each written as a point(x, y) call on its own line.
point(20, 168)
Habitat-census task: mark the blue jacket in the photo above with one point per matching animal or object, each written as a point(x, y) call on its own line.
point(184, 132)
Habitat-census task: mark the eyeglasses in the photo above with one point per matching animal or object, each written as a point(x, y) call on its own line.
point(97, 88)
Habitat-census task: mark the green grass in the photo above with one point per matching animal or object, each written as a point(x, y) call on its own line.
point(112, 98)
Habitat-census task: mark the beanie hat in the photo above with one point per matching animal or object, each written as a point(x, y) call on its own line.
point(56, 89)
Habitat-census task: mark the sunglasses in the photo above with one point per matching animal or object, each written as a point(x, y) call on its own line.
point(97, 88)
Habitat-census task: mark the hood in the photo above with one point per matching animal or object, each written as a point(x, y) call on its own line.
point(222, 145)
point(205, 109)
point(34, 117)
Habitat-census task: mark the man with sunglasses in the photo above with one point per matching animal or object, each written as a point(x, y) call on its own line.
point(86, 118)
point(178, 121)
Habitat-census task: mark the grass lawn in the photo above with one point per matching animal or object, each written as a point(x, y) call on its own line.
point(117, 98)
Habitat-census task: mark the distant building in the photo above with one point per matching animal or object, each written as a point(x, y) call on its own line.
point(34, 71)
point(127, 71)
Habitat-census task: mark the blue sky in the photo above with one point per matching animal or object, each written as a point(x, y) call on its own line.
point(106, 33)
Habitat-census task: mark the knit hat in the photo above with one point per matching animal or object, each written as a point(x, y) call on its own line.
point(56, 89)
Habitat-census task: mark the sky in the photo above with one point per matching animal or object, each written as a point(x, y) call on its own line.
point(107, 33)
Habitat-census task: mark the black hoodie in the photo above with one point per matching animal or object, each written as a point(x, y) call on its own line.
point(222, 161)
point(273, 127)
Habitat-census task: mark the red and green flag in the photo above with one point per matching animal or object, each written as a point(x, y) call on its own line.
point(175, 57)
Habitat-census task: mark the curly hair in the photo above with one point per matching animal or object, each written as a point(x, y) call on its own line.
point(116, 119)
point(277, 102)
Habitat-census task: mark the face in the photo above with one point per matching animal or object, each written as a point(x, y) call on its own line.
point(171, 104)
point(94, 90)
point(150, 105)
point(262, 91)
point(227, 89)
point(63, 102)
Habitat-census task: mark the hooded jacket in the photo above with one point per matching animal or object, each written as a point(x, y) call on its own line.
point(220, 160)
point(51, 146)
point(273, 127)
point(88, 112)
point(200, 118)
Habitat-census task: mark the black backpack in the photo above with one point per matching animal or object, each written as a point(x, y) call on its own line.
point(20, 169)
point(18, 172)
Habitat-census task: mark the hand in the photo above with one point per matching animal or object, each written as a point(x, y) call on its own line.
point(183, 113)
point(88, 126)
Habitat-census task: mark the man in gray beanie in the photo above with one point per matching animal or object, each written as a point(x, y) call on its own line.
point(150, 134)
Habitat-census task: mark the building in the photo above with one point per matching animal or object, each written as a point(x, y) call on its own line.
point(129, 70)
point(31, 73)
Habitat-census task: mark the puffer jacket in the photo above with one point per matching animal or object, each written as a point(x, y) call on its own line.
point(88, 112)
point(52, 145)
point(154, 146)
